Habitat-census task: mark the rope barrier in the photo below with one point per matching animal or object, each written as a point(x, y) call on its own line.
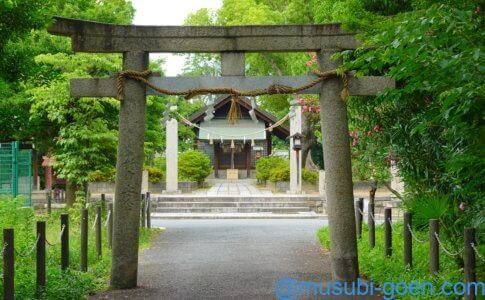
point(477, 253)
point(94, 223)
point(390, 223)
point(107, 219)
point(414, 236)
point(31, 249)
point(58, 239)
point(3, 249)
point(248, 135)
point(274, 89)
point(447, 252)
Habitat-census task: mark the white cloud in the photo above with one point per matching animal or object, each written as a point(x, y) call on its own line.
point(169, 12)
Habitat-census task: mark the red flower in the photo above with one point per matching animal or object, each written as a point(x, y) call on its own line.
point(377, 128)
point(355, 142)
point(309, 63)
point(369, 133)
point(462, 206)
point(477, 10)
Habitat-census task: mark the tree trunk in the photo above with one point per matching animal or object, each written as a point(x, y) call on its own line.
point(71, 190)
point(308, 139)
point(372, 192)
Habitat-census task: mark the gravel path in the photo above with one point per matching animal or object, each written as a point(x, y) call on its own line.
point(226, 259)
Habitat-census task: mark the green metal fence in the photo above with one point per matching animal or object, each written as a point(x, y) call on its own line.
point(16, 171)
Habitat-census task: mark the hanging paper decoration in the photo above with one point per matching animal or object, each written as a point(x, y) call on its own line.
point(244, 140)
point(234, 112)
point(232, 144)
point(252, 142)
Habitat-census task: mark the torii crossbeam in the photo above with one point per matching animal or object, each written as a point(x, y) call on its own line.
point(135, 42)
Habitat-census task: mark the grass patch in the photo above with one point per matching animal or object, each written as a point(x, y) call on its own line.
point(374, 265)
point(69, 284)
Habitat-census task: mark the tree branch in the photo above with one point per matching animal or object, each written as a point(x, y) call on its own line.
point(396, 193)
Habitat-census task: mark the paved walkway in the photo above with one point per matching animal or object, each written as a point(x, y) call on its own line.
point(241, 187)
point(227, 259)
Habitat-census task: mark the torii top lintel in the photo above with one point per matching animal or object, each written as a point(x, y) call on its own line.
point(89, 36)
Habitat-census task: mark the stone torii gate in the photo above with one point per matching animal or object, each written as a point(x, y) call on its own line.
point(135, 42)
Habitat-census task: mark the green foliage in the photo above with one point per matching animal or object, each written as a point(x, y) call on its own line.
point(155, 175)
point(266, 165)
point(373, 263)
point(281, 173)
point(194, 166)
point(69, 284)
point(432, 124)
point(309, 176)
point(424, 207)
point(317, 155)
point(106, 175)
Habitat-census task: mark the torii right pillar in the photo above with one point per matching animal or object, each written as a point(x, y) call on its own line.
point(338, 174)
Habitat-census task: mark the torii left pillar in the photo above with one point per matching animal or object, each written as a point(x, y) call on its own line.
point(129, 164)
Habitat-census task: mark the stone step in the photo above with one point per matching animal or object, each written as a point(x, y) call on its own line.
point(197, 198)
point(302, 215)
point(278, 210)
point(208, 204)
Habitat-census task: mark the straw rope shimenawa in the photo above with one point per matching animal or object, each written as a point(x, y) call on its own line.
point(274, 89)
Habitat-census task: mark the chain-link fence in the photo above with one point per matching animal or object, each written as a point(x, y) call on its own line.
point(16, 171)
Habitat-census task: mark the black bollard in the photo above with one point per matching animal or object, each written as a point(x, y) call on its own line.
point(434, 250)
point(388, 231)
point(408, 241)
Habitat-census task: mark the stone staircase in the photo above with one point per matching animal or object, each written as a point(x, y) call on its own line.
point(264, 206)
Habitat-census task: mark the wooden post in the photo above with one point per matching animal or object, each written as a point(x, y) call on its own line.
point(110, 225)
point(338, 177)
point(98, 225)
point(469, 259)
point(40, 259)
point(371, 223)
point(103, 202)
point(142, 211)
point(49, 201)
point(359, 207)
point(408, 240)
point(434, 251)
point(84, 240)
point(129, 164)
point(216, 159)
point(388, 231)
point(8, 264)
point(65, 241)
point(148, 208)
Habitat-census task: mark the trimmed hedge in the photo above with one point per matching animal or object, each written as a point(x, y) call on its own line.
point(194, 166)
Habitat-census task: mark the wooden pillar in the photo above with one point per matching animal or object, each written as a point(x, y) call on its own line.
point(338, 177)
point(269, 143)
point(124, 269)
point(216, 159)
point(247, 147)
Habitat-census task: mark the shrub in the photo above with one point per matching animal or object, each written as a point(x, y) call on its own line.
point(309, 176)
point(68, 284)
point(155, 175)
point(265, 165)
point(373, 264)
point(194, 166)
point(282, 173)
point(106, 175)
